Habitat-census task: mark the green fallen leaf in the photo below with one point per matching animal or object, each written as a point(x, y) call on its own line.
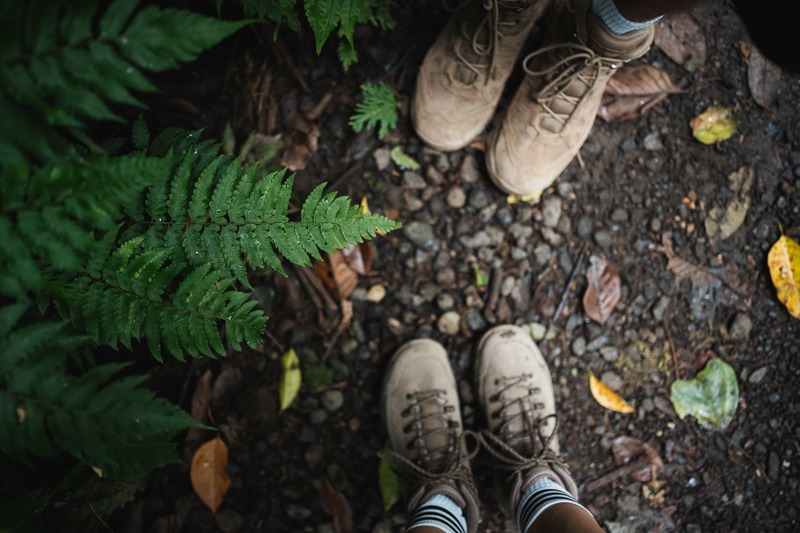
point(712, 397)
point(715, 124)
point(317, 375)
point(290, 379)
point(402, 159)
point(481, 276)
point(388, 482)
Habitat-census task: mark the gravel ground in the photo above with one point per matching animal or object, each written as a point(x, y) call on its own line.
point(638, 196)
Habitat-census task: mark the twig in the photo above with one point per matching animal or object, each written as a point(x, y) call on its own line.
point(279, 344)
point(302, 275)
point(494, 289)
point(671, 341)
point(747, 455)
point(560, 308)
point(283, 55)
point(620, 472)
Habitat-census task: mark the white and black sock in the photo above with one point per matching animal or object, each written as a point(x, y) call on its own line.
point(610, 15)
point(440, 511)
point(542, 494)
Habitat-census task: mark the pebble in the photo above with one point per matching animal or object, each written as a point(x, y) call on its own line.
point(609, 353)
point(420, 233)
point(445, 276)
point(413, 180)
point(652, 142)
point(456, 198)
point(551, 211)
point(445, 302)
point(603, 238)
point(551, 236)
point(579, 346)
point(469, 169)
point(478, 199)
point(382, 158)
point(474, 320)
point(332, 400)
point(376, 293)
point(741, 326)
point(297, 512)
point(613, 380)
point(619, 215)
point(318, 416)
point(449, 323)
point(758, 375)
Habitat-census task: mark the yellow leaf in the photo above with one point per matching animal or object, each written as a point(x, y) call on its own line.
point(208, 473)
point(713, 125)
point(531, 198)
point(784, 267)
point(290, 379)
point(607, 397)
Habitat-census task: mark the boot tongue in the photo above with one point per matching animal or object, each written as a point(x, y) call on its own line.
point(436, 435)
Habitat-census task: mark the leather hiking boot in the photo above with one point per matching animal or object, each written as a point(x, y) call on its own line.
point(420, 408)
point(464, 72)
point(554, 108)
point(515, 392)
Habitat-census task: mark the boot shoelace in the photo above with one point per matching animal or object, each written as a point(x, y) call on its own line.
point(445, 464)
point(502, 16)
point(575, 62)
point(523, 449)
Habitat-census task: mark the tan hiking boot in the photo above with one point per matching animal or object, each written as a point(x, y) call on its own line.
point(554, 108)
point(515, 392)
point(420, 408)
point(463, 74)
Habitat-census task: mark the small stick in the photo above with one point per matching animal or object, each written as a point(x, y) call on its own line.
point(494, 289)
point(672, 347)
point(560, 308)
point(614, 475)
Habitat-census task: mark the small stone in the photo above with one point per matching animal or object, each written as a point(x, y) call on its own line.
point(603, 238)
point(420, 234)
point(332, 400)
point(613, 380)
point(469, 169)
point(449, 323)
point(652, 142)
point(413, 180)
point(579, 346)
point(609, 353)
point(445, 302)
point(376, 293)
point(478, 199)
point(314, 454)
point(456, 198)
point(229, 521)
point(758, 375)
point(382, 158)
point(551, 211)
point(620, 215)
point(297, 512)
point(741, 326)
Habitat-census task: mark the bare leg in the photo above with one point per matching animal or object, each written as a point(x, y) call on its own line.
point(564, 518)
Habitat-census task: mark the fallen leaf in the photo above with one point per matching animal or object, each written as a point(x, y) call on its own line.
point(684, 269)
point(336, 274)
point(722, 222)
point(714, 125)
point(762, 79)
point(627, 449)
point(402, 159)
point(607, 397)
point(208, 474)
point(784, 267)
point(360, 257)
point(681, 38)
point(711, 397)
point(200, 401)
point(387, 482)
point(290, 379)
point(336, 505)
point(604, 290)
point(633, 91)
point(531, 198)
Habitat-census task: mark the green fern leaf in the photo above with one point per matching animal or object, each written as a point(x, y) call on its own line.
point(379, 107)
point(323, 17)
point(140, 134)
point(352, 12)
point(179, 191)
point(198, 205)
point(229, 240)
point(223, 193)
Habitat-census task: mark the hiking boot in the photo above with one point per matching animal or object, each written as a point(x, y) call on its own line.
point(555, 106)
point(515, 392)
point(421, 412)
point(463, 74)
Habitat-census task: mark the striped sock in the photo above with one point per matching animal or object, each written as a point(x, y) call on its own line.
point(442, 512)
point(610, 15)
point(538, 497)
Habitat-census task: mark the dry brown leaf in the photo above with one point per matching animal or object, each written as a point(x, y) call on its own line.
point(336, 505)
point(360, 257)
point(762, 78)
point(208, 473)
point(633, 91)
point(723, 221)
point(200, 401)
point(336, 274)
point(682, 39)
point(684, 269)
point(604, 289)
point(627, 449)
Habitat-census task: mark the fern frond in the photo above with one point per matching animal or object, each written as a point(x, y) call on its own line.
point(99, 417)
point(379, 107)
point(59, 70)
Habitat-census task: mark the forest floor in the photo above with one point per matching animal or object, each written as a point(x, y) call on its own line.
point(467, 258)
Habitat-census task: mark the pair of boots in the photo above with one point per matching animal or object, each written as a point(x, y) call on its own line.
point(463, 76)
point(420, 408)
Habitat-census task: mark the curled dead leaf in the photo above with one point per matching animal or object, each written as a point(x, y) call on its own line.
point(336, 505)
point(627, 449)
point(762, 79)
point(633, 91)
point(607, 397)
point(208, 473)
point(784, 268)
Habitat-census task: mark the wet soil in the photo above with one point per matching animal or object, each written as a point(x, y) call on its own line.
point(638, 195)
